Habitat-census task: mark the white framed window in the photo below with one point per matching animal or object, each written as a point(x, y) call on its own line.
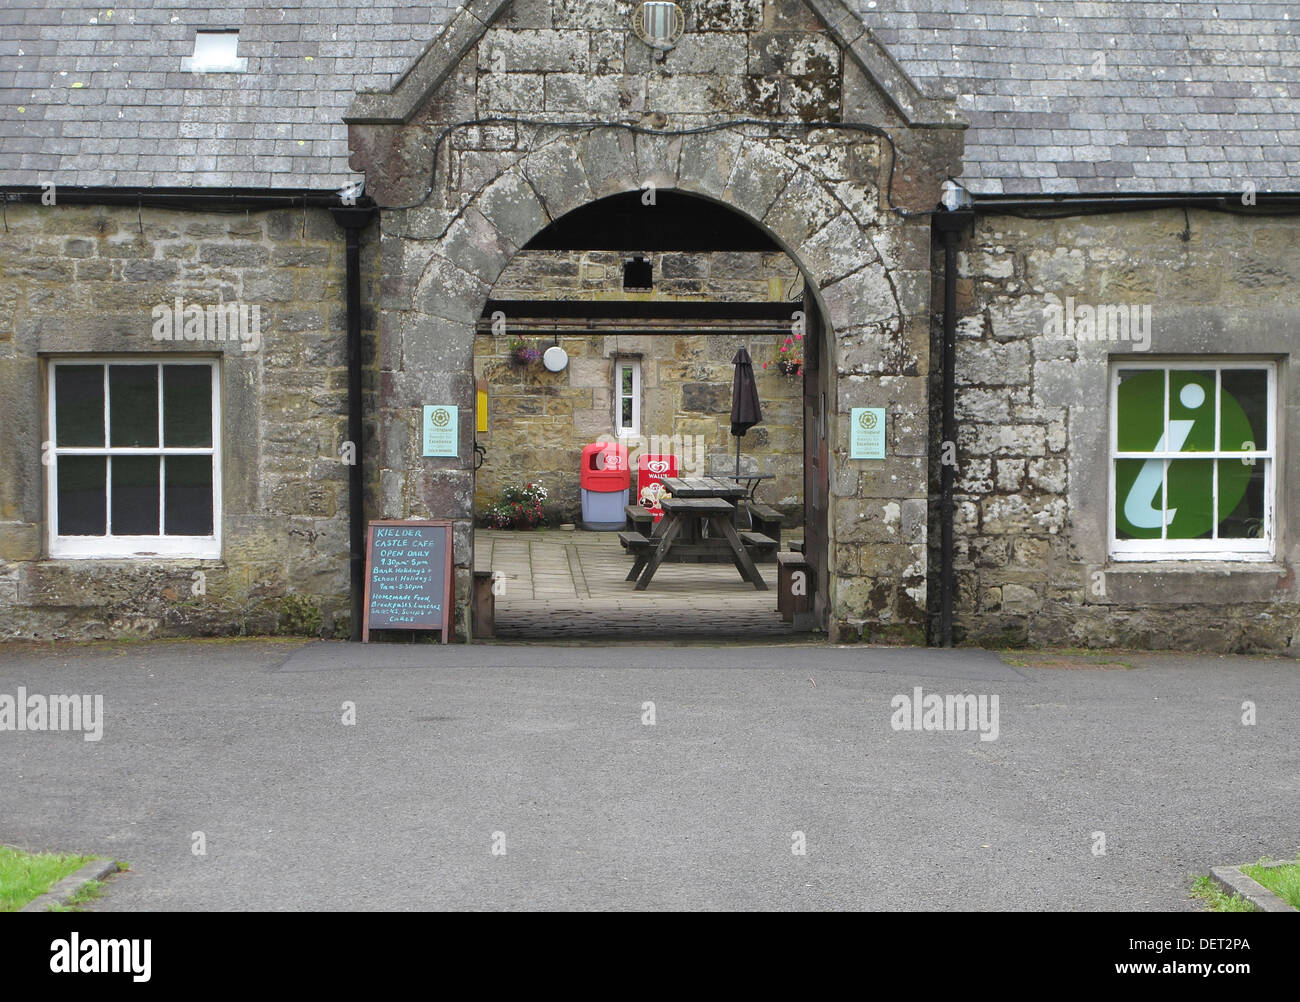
point(627, 397)
point(133, 458)
point(1193, 460)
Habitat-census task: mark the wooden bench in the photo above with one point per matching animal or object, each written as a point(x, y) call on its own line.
point(757, 541)
point(766, 521)
point(639, 546)
point(789, 604)
point(632, 540)
point(638, 519)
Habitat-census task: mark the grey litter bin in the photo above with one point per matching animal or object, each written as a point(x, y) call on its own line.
point(602, 511)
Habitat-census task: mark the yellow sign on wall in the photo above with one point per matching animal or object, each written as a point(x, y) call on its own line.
point(481, 415)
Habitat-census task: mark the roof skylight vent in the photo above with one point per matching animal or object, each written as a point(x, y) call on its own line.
point(214, 52)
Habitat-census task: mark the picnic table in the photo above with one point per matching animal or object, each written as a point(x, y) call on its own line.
point(703, 487)
point(750, 482)
point(690, 516)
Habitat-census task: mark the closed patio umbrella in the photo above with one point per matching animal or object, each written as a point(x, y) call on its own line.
point(745, 412)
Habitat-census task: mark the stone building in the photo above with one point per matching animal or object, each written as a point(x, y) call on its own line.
point(1054, 243)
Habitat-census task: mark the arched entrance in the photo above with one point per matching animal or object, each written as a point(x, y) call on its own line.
point(443, 257)
point(650, 294)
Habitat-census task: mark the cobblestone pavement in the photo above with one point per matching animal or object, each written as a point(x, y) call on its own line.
point(561, 583)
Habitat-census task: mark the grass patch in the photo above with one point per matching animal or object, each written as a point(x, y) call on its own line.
point(1216, 899)
point(25, 876)
point(88, 891)
point(1284, 881)
point(1065, 657)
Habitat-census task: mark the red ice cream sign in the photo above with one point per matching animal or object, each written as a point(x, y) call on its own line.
point(650, 474)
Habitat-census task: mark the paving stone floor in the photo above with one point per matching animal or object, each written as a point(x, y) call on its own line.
point(569, 583)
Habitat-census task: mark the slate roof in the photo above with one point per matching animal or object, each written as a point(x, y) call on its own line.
point(105, 101)
point(1193, 96)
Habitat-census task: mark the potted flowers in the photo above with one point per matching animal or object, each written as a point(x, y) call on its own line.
point(790, 357)
point(519, 508)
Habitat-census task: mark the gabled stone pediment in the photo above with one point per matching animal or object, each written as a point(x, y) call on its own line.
point(469, 24)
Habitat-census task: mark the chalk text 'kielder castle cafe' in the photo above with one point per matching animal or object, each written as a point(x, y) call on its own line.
point(1047, 255)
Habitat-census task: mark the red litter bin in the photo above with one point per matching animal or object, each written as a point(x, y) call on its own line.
point(604, 479)
point(650, 474)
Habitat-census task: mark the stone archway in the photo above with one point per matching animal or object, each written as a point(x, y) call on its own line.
point(441, 263)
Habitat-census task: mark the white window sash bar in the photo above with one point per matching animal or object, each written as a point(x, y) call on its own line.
point(119, 546)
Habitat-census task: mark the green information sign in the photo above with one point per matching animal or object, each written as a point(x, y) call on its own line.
point(1189, 496)
point(441, 430)
point(867, 437)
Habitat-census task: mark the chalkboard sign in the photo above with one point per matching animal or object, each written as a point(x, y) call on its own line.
point(408, 577)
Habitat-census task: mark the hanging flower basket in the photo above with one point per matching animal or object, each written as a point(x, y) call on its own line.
point(523, 353)
point(789, 359)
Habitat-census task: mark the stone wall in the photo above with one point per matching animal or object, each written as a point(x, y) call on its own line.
point(718, 276)
point(539, 421)
point(84, 280)
point(1033, 475)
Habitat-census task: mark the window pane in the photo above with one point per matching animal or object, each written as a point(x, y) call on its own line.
point(1191, 499)
point(626, 421)
point(1241, 499)
point(133, 405)
point(1244, 409)
point(1191, 411)
point(135, 495)
point(187, 405)
point(1139, 498)
point(189, 495)
point(82, 501)
point(1140, 417)
point(625, 375)
point(79, 404)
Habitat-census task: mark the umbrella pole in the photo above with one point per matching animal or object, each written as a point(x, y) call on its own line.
point(737, 455)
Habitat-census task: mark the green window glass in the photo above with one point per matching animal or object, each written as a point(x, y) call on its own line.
point(1192, 460)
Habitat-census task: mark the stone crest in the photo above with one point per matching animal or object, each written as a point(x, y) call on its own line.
point(659, 23)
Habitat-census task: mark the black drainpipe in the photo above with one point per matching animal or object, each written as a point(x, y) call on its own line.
point(950, 224)
point(353, 221)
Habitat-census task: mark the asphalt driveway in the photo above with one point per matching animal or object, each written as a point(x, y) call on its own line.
point(542, 751)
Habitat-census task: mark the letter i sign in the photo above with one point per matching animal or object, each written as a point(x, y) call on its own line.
point(1187, 511)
